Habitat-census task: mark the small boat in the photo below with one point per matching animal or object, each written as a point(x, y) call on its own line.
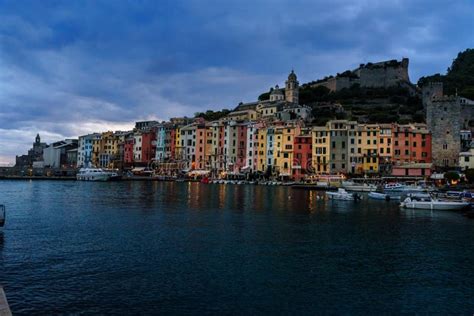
point(93, 174)
point(2, 215)
point(342, 194)
point(379, 196)
point(358, 187)
point(398, 187)
point(433, 204)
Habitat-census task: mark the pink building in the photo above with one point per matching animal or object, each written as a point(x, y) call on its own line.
point(303, 149)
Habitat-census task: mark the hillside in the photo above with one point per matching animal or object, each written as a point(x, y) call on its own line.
point(459, 76)
point(370, 105)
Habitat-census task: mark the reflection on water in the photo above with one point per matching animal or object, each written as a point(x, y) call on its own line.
point(155, 247)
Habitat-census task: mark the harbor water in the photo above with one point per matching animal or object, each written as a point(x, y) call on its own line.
point(190, 248)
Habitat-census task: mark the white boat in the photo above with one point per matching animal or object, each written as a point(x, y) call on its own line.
point(2, 215)
point(433, 204)
point(358, 187)
point(398, 187)
point(342, 194)
point(93, 174)
point(379, 196)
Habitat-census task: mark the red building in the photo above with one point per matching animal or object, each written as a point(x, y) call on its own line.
point(302, 155)
point(411, 144)
point(128, 150)
point(148, 145)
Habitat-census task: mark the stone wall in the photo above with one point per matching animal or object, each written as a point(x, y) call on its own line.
point(379, 75)
point(443, 117)
point(384, 74)
point(467, 114)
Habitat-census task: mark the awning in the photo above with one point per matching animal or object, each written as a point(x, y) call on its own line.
point(437, 176)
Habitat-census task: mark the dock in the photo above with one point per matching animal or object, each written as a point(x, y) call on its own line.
point(4, 308)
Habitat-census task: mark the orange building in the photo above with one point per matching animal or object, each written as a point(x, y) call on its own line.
point(411, 143)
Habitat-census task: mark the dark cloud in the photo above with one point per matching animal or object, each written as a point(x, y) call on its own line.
point(69, 66)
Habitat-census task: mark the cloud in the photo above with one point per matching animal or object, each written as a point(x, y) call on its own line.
point(70, 67)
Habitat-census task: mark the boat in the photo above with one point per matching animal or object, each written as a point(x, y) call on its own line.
point(342, 194)
point(379, 196)
point(93, 174)
point(2, 215)
point(398, 187)
point(358, 187)
point(432, 204)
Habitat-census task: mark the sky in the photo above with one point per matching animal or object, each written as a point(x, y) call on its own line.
point(68, 68)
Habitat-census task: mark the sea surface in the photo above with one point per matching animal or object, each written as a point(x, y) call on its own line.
point(189, 248)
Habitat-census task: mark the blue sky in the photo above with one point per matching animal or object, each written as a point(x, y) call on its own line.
point(72, 67)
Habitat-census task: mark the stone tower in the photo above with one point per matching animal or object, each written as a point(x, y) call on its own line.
point(443, 117)
point(37, 139)
point(430, 90)
point(292, 88)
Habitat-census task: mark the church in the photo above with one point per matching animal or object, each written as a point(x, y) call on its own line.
point(34, 154)
point(282, 104)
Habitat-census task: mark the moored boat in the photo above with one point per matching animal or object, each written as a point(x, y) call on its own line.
point(358, 187)
point(401, 188)
point(433, 204)
point(342, 194)
point(93, 174)
point(379, 196)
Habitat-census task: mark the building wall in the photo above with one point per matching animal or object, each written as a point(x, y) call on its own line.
point(466, 159)
point(321, 150)
point(148, 146)
point(443, 117)
point(303, 151)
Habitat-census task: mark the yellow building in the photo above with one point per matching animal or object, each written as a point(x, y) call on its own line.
point(266, 110)
point(368, 135)
point(283, 149)
point(320, 159)
point(178, 154)
point(105, 150)
point(243, 115)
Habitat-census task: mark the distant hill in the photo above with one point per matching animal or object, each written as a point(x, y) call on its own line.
point(460, 76)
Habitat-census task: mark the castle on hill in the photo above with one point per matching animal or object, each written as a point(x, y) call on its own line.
point(383, 74)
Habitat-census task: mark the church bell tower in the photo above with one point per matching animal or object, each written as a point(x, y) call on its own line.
point(292, 88)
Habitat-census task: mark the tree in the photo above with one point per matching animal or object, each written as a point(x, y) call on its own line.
point(459, 77)
point(469, 173)
point(451, 176)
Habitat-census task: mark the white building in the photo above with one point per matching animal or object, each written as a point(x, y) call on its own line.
point(137, 147)
point(188, 144)
point(466, 159)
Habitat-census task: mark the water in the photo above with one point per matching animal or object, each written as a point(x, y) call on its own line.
point(142, 247)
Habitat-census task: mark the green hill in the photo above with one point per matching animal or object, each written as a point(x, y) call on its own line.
point(459, 77)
